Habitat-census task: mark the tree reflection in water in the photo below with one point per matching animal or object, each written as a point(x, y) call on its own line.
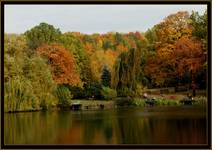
point(118, 126)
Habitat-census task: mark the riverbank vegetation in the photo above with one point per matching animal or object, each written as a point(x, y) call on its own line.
point(45, 68)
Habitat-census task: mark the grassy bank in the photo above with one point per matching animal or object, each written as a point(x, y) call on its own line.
point(166, 100)
point(198, 101)
point(172, 91)
point(173, 99)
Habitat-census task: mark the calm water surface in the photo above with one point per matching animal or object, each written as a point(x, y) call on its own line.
point(156, 125)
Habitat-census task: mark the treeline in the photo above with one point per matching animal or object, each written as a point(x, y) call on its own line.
point(44, 67)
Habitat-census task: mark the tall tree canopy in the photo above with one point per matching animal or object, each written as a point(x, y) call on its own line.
point(63, 64)
point(188, 56)
point(28, 81)
point(127, 70)
point(200, 26)
point(42, 34)
point(73, 43)
point(159, 65)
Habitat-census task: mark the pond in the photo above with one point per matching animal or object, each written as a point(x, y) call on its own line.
point(149, 125)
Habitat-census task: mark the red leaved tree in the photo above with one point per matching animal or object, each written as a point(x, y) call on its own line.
point(63, 65)
point(188, 56)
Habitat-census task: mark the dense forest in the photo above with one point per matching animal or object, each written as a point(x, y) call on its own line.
point(44, 67)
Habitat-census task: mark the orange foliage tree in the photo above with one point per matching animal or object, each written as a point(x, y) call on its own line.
point(63, 65)
point(188, 56)
point(161, 65)
point(173, 28)
point(185, 56)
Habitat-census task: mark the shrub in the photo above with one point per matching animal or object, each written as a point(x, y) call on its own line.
point(108, 93)
point(124, 92)
point(139, 102)
point(64, 95)
point(124, 101)
point(139, 90)
point(77, 92)
point(165, 102)
point(93, 90)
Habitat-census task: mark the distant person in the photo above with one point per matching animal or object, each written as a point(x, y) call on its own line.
point(145, 95)
point(188, 97)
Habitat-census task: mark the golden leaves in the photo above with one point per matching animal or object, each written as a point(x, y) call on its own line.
point(62, 63)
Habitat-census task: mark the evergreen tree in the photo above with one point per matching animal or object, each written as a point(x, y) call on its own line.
point(106, 77)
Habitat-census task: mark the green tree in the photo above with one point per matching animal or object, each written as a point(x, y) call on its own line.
point(28, 81)
point(39, 74)
point(200, 31)
point(151, 37)
point(64, 95)
point(107, 44)
point(42, 34)
point(200, 26)
point(127, 70)
point(108, 93)
point(106, 77)
point(17, 94)
point(14, 56)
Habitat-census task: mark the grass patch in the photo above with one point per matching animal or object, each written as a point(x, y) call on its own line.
point(139, 102)
point(158, 102)
point(201, 100)
point(166, 102)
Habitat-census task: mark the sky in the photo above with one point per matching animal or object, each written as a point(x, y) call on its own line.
point(91, 18)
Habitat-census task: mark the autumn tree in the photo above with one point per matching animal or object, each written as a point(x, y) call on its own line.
point(159, 66)
point(62, 62)
point(75, 46)
point(173, 28)
point(188, 57)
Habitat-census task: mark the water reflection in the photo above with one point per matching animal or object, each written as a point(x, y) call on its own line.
point(121, 126)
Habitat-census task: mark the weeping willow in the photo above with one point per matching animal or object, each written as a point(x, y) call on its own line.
point(22, 94)
point(18, 95)
point(126, 71)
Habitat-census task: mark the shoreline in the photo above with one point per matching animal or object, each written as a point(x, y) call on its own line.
point(113, 104)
